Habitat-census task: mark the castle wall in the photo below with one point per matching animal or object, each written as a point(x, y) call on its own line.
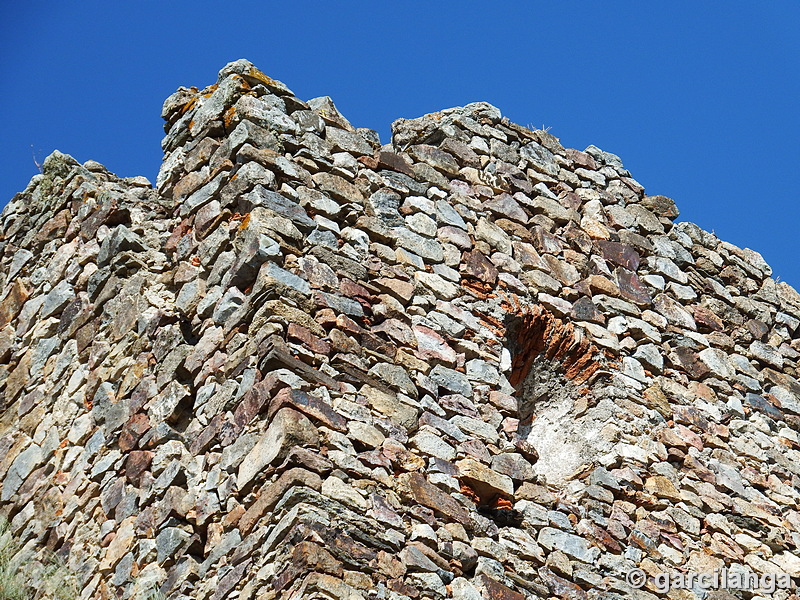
point(470, 363)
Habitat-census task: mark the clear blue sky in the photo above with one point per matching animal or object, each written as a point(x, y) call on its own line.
point(699, 99)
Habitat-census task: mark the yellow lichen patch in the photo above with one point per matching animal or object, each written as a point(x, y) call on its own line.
point(210, 90)
point(245, 221)
point(257, 74)
point(188, 105)
point(229, 115)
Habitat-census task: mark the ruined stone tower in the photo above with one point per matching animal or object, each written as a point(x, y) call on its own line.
point(467, 364)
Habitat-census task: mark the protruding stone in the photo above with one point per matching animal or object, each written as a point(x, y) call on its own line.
point(288, 428)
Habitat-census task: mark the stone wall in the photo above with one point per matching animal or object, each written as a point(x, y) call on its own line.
point(467, 364)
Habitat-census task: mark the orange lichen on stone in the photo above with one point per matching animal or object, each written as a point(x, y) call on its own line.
point(257, 74)
point(186, 107)
point(229, 115)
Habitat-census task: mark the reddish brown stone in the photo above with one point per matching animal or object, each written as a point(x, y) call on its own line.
point(35, 482)
point(343, 343)
point(631, 288)
point(137, 463)
point(17, 379)
point(395, 162)
point(619, 254)
point(74, 316)
point(12, 303)
point(308, 557)
point(232, 518)
point(432, 346)
point(429, 495)
point(474, 264)
point(109, 213)
point(347, 324)
point(202, 441)
point(182, 229)
point(572, 201)
point(494, 590)
point(132, 431)
point(707, 320)
point(463, 153)
point(389, 565)
point(188, 184)
point(690, 415)
point(53, 229)
point(372, 342)
point(694, 367)
point(368, 161)
point(758, 329)
point(661, 206)
point(671, 439)
point(642, 541)
point(310, 406)
point(600, 536)
point(402, 588)
point(308, 339)
point(255, 399)
point(356, 551)
point(208, 217)
point(581, 159)
point(505, 206)
point(351, 289)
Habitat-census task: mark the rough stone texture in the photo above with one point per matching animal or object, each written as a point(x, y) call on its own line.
point(469, 363)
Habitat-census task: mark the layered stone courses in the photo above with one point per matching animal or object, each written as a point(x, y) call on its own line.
point(469, 363)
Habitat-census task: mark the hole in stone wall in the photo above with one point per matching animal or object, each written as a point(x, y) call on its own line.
point(551, 362)
point(541, 342)
point(181, 417)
